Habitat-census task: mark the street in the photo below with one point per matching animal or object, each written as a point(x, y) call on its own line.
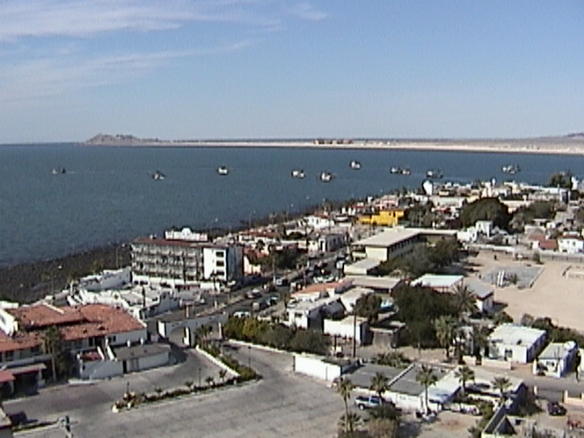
point(281, 404)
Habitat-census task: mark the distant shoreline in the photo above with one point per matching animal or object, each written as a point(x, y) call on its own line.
point(537, 146)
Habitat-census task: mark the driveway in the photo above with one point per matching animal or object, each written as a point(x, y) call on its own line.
point(84, 398)
point(282, 404)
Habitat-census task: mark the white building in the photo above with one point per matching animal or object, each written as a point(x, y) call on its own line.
point(140, 301)
point(319, 222)
point(348, 328)
point(326, 242)
point(441, 283)
point(361, 267)
point(387, 244)
point(222, 263)
point(555, 360)
point(571, 244)
point(515, 343)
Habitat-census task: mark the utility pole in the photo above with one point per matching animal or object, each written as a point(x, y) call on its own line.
point(354, 333)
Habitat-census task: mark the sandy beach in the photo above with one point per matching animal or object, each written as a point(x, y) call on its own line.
point(546, 145)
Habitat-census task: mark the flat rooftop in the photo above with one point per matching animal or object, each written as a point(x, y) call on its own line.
point(388, 238)
point(362, 376)
point(364, 264)
point(376, 283)
point(516, 334)
point(438, 281)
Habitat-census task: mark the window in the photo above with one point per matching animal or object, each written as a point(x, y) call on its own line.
point(219, 253)
point(220, 263)
point(8, 355)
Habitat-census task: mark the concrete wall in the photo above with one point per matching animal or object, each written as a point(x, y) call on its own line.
point(314, 366)
point(123, 338)
point(100, 369)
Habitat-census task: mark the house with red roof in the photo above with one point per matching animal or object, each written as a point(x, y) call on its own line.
point(91, 327)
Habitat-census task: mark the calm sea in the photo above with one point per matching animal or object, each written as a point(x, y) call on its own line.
point(107, 194)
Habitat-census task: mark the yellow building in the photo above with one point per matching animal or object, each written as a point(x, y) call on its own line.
point(386, 218)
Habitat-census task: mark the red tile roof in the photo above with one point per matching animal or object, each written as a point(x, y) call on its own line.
point(74, 322)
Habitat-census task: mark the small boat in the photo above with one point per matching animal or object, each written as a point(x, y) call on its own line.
point(355, 165)
point(297, 173)
point(58, 171)
point(223, 170)
point(511, 169)
point(434, 174)
point(326, 176)
point(400, 171)
point(158, 176)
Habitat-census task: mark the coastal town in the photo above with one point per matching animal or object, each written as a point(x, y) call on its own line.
point(450, 310)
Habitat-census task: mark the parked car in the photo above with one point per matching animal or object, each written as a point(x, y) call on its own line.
point(254, 293)
point(242, 314)
point(281, 281)
point(364, 402)
point(555, 409)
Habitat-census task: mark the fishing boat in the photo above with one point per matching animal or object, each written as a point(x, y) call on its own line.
point(434, 174)
point(511, 169)
point(297, 173)
point(326, 176)
point(158, 176)
point(400, 171)
point(223, 170)
point(355, 165)
point(58, 171)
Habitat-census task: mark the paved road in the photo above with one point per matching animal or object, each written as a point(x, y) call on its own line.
point(55, 401)
point(282, 404)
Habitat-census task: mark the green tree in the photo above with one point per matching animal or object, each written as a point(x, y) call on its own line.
point(464, 374)
point(489, 209)
point(222, 374)
point(561, 179)
point(310, 341)
point(418, 307)
point(53, 344)
point(210, 380)
point(464, 300)
point(445, 327)
point(426, 377)
point(379, 384)
point(367, 306)
point(502, 384)
point(345, 388)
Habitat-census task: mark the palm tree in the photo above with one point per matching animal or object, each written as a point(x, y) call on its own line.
point(502, 384)
point(464, 300)
point(379, 384)
point(202, 333)
point(480, 339)
point(52, 344)
point(426, 378)
point(349, 422)
point(464, 374)
point(222, 374)
point(344, 388)
point(445, 326)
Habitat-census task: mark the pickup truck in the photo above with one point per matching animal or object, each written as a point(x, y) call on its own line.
point(368, 402)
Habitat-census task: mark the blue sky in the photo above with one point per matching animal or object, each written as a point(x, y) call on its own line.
point(277, 68)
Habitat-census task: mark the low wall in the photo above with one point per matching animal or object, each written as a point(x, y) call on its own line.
point(216, 361)
point(258, 346)
point(574, 401)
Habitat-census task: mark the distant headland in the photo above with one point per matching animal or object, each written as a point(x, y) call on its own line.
point(566, 144)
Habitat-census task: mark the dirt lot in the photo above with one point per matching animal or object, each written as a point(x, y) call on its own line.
point(552, 294)
point(447, 425)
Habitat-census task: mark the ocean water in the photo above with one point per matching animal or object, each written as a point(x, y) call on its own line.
point(107, 194)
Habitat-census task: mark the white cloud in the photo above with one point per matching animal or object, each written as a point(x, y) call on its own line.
point(82, 18)
point(306, 11)
point(39, 78)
